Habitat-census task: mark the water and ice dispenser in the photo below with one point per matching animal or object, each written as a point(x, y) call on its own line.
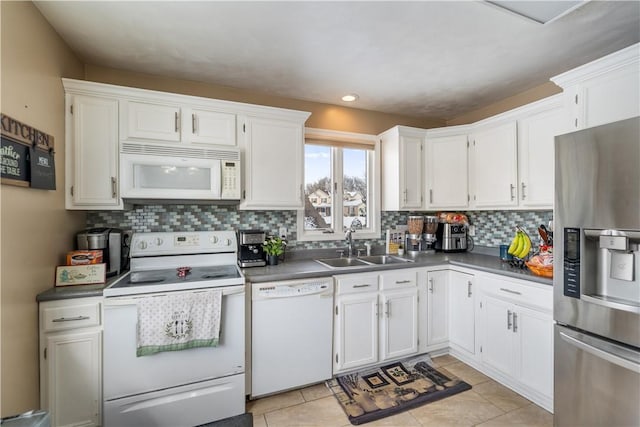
point(603, 266)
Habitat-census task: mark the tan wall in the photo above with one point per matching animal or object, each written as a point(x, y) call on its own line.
point(324, 116)
point(539, 92)
point(36, 230)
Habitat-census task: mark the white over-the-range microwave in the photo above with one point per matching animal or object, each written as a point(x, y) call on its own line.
point(169, 172)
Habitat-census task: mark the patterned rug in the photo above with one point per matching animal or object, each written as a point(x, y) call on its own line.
point(383, 391)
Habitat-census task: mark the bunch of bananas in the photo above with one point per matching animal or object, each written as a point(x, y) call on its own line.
point(520, 245)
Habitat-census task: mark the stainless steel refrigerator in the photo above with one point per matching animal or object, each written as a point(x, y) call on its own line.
point(597, 276)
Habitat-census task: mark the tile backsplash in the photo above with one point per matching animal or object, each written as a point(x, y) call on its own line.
point(493, 228)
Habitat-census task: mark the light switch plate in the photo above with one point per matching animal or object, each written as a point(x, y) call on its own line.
point(282, 232)
point(472, 230)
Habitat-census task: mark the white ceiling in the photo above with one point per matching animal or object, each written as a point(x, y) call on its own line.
point(436, 59)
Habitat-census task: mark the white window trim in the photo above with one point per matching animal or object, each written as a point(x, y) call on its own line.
point(374, 196)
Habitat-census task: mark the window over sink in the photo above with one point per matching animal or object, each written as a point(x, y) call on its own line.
point(341, 185)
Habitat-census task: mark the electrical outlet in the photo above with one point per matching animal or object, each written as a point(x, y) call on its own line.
point(472, 230)
point(282, 232)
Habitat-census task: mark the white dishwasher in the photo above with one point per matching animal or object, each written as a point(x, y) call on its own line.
point(291, 334)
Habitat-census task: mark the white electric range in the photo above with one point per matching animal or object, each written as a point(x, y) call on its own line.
point(175, 388)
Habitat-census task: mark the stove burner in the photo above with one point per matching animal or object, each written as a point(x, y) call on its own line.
point(215, 276)
point(146, 282)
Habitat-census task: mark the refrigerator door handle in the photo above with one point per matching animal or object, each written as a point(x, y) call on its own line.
point(609, 356)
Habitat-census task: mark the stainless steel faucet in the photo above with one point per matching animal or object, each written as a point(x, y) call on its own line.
point(349, 239)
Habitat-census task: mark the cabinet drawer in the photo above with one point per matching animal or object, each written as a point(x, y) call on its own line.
point(359, 283)
point(518, 292)
point(56, 318)
point(398, 279)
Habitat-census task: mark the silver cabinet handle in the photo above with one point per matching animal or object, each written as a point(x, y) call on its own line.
point(405, 195)
point(377, 310)
point(469, 293)
point(114, 189)
point(523, 187)
point(70, 319)
point(430, 195)
point(400, 282)
point(360, 286)
point(431, 285)
point(510, 291)
point(387, 308)
point(509, 314)
point(515, 322)
point(176, 121)
point(512, 187)
point(193, 123)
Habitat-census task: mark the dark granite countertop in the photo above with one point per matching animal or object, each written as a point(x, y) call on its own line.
point(76, 291)
point(308, 268)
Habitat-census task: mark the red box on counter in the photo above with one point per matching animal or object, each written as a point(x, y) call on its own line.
point(84, 257)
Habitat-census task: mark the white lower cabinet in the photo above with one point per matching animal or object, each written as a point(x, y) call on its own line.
point(462, 312)
point(376, 318)
point(71, 361)
point(438, 308)
point(516, 339)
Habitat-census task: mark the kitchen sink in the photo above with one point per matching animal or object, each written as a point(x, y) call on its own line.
point(361, 261)
point(342, 262)
point(384, 259)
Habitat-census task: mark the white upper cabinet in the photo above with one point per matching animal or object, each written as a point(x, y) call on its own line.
point(493, 173)
point(209, 127)
point(151, 121)
point(273, 150)
point(167, 122)
point(402, 168)
point(92, 180)
point(603, 91)
point(536, 134)
point(446, 169)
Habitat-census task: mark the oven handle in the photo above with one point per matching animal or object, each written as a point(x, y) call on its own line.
point(131, 299)
point(601, 353)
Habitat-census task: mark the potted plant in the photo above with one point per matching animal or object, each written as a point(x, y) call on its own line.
point(273, 247)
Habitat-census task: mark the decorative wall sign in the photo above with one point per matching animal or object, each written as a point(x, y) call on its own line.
point(27, 155)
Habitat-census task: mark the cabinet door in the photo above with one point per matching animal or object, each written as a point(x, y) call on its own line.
point(535, 349)
point(461, 311)
point(273, 162)
point(438, 307)
point(210, 127)
point(399, 327)
point(498, 334)
point(155, 122)
point(410, 172)
point(356, 331)
point(493, 173)
point(446, 172)
point(610, 97)
point(92, 154)
point(74, 365)
point(536, 156)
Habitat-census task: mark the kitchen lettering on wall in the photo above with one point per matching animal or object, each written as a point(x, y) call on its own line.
point(27, 156)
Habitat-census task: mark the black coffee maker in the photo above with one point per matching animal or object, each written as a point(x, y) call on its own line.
point(250, 252)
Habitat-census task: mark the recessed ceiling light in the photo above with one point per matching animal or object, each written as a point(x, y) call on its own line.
point(350, 98)
point(542, 12)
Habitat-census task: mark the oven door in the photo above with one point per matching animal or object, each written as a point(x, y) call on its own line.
point(125, 374)
point(168, 177)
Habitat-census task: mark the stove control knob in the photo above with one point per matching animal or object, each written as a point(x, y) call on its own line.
point(159, 241)
point(255, 250)
point(226, 242)
point(142, 244)
point(214, 239)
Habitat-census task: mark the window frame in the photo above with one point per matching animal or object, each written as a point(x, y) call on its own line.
point(347, 140)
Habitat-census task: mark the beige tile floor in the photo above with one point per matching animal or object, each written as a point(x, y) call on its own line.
point(487, 404)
